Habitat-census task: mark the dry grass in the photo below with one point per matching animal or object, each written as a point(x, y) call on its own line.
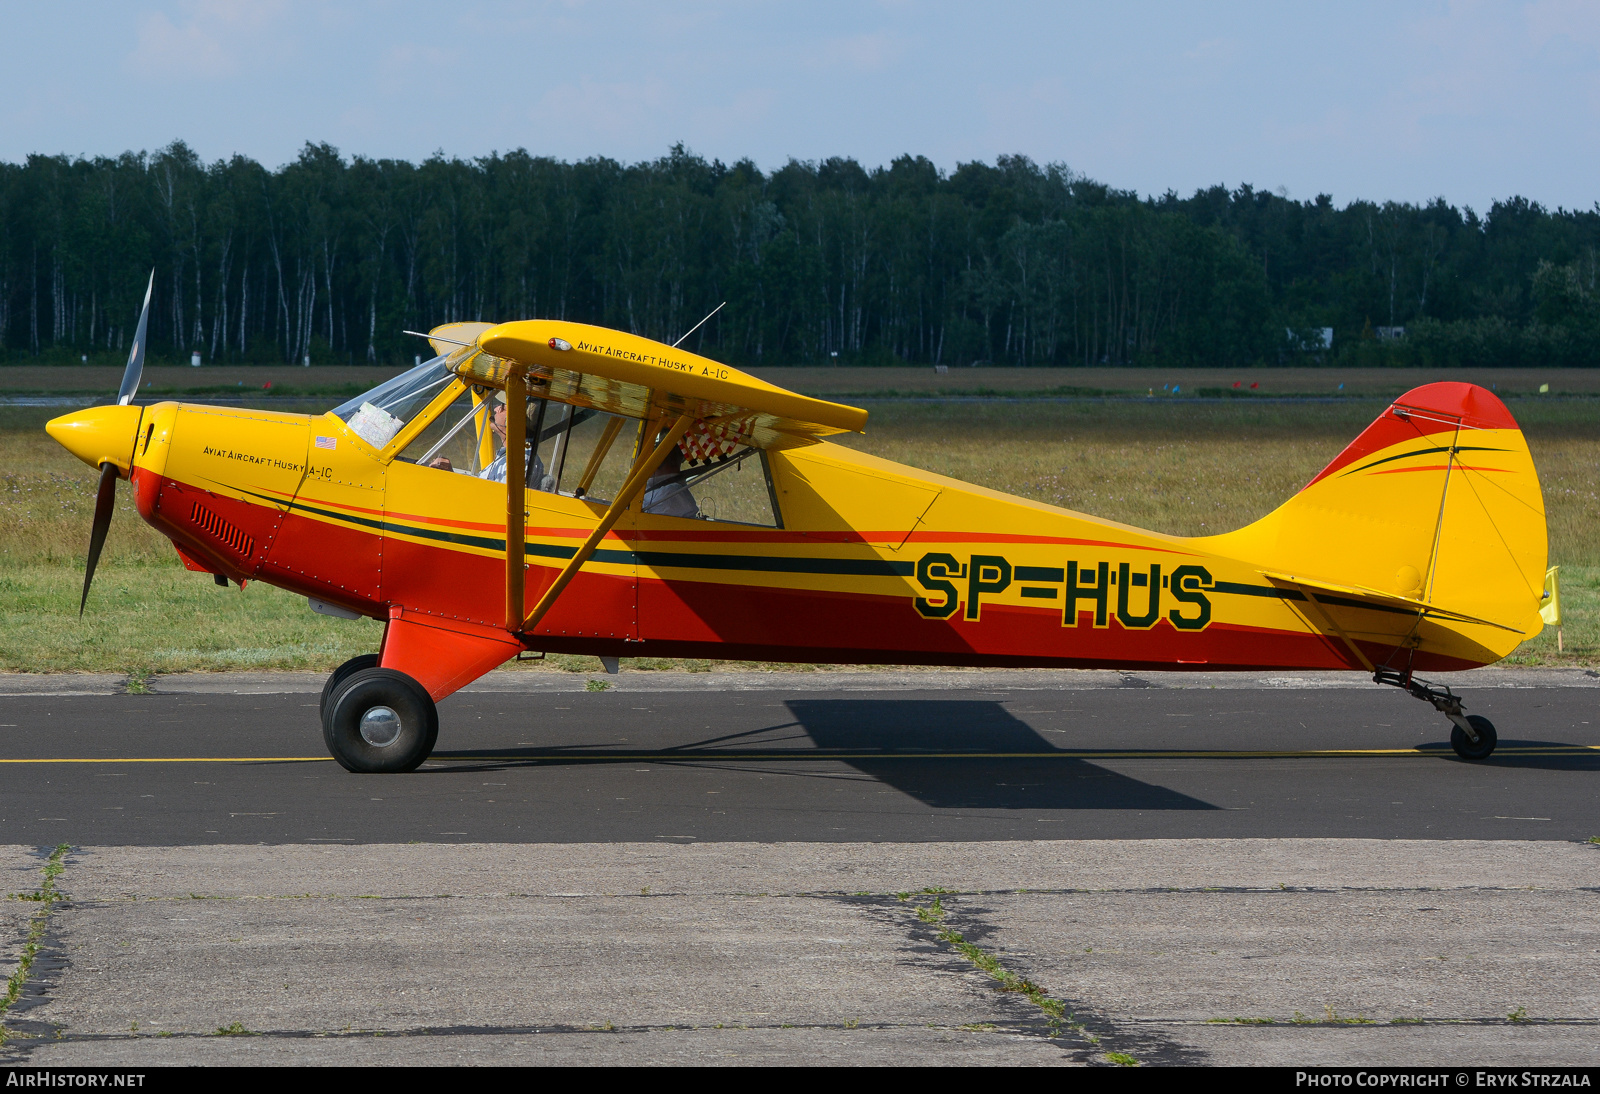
point(1183, 468)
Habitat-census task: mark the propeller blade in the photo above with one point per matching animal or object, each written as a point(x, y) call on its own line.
point(135, 369)
point(104, 500)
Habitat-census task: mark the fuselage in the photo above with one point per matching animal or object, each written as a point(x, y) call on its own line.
point(874, 562)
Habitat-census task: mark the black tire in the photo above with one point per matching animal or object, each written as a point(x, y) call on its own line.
point(384, 703)
point(342, 673)
point(1487, 739)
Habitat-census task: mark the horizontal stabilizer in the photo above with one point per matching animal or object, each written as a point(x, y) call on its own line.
point(1378, 598)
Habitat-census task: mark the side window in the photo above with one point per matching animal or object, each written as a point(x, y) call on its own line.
point(578, 452)
point(593, 452)
point(735, 490)
point(469, 438)
point(548, 426)
point(454, 441)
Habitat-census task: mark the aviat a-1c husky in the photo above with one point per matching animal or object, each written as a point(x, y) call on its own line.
point(664, 504)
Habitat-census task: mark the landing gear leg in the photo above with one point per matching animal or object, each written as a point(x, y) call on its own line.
point(1472, 736)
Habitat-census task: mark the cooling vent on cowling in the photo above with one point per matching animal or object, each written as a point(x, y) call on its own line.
point(233, 538)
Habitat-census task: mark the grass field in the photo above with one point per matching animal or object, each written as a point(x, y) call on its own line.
point(1184, 468)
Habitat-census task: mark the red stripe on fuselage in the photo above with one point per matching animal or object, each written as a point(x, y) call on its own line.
point(1069, 541)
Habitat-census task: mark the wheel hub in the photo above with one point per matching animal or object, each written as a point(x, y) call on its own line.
point(380, 726)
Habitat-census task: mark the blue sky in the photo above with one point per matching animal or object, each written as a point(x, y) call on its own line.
point(1397, 100)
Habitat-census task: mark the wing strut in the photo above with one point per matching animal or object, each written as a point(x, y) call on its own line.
point(630, 490)
point(516, 494)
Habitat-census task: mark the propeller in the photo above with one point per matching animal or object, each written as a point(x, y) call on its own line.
point(106, 496)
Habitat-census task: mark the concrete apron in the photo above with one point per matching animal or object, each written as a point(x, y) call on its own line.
point(1277, 951)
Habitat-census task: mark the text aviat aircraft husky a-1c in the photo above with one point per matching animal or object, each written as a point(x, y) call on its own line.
point(660, 503)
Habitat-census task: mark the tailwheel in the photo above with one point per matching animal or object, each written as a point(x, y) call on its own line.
point(1471, 735)
point(379, 721)
point(1465, 747)
point(342, 673)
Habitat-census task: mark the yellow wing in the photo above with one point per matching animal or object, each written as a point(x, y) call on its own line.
point(639, 378)
point(447, 339)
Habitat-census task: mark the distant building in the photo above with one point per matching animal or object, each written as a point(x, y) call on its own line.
point(1390, 334)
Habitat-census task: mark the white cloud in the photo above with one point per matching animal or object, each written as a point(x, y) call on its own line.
point(206, 42)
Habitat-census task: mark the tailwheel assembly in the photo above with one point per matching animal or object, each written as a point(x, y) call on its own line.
point(1472, 735)
point(380, 721)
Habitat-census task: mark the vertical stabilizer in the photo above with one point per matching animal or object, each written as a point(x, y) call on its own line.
point(1436, 502)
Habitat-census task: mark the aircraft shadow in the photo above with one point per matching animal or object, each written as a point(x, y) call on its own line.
point(1005, 771)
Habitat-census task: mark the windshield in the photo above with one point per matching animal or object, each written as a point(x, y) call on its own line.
point(382, 412)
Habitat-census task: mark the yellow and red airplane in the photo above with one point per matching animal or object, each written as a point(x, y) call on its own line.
point(664, 504)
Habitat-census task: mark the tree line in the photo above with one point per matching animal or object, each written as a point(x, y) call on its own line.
point(332, 258)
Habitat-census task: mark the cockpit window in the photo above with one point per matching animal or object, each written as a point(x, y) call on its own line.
point(458, 438)
point(381, 413)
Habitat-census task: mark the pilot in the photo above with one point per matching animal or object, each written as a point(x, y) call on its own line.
point(666, 494)
point(496, 469)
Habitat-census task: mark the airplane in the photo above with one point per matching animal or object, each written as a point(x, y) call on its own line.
point(648, 501)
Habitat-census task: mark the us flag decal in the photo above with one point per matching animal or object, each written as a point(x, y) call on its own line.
point(326, 442)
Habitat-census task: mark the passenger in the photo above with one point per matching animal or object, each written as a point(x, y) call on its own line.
point(666, 494)
point(496, 470)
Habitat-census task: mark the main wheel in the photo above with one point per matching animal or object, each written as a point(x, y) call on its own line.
point(1486, 739)
point(380, 720)
point(342, 673)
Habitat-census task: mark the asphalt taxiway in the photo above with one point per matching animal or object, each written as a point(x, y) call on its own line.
point(846, 758)
point(959, 868)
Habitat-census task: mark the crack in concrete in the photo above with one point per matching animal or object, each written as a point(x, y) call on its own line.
point(1082, 1032)
point(43, 957)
